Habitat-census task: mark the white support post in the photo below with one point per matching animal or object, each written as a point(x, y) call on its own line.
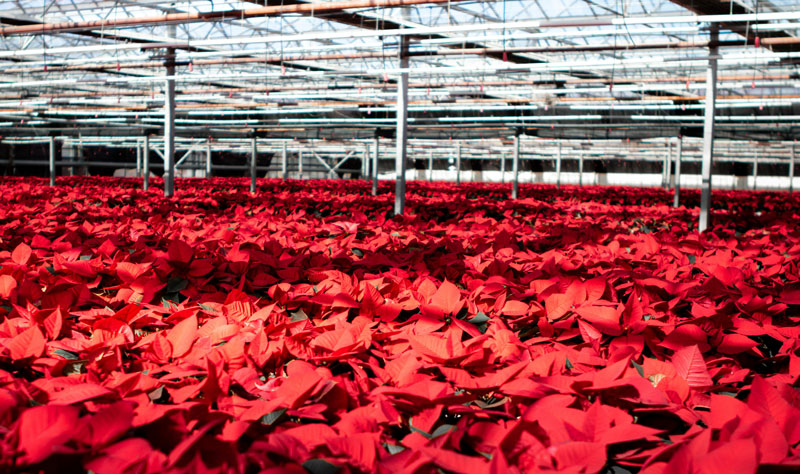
point(52, 144)
point(402, 129)
point(515, 169)
point(580, 169)
point(365, 161)
point(668, 166)
point(253, 161)
point(208, 160)
point(708, 131)
point(558, 167)
point(284, 162)
point(503, 167)
point(169, 125)
point(146, 161)
point(755, 169)
point(300, 164)
point(677, 198)
point(138, 159)
point(791, 170)
point(430, 166)
point(458, 163)
point(375, 151)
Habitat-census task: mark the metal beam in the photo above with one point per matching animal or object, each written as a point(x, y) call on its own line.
point(190, 17)
point(744, 28)
point(138, 159)
point(458, 163)
point(300, 164)
point(755, 169)
point(347, 156)
point(677, 198)
point(502, 167)
point(668, 165)
point(169, 126)
point(791, 171)
point(146, 160)
point(365, 163)
point(430, 166)
point(324, 163)
point(515, 169)
point(708, 133)
point(52, 144)
point(402, 130)
point(253, 160)
point(558, 167)
point(284, 162)
point(375, 151)
point(580, 169)
point(208, 160)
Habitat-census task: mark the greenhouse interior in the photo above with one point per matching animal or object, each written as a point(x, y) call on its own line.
point(418, 236)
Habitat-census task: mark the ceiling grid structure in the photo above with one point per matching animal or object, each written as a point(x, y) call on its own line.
point(293, 69)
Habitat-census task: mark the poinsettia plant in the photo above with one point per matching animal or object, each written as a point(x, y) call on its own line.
point(306, 329)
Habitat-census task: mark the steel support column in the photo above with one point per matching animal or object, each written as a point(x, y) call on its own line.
point(708, 131)
point(430, 166)
point(300, 164)
point(755, 170)
point(558, 167)
point(668, 166)
point(138, 159)
point(402, 129)
point(515, 169)
point(52, 144)
point(375, 151)
point(677, 197)
point(169, 126)
point(253, 161)
point(284, 162)
point(580, 169)
point(365, 161)
point(458, 163)
point(791, 170)
point(146, 163)
point(502, 167)
point(208, 160)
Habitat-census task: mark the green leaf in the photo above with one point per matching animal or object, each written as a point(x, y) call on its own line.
point(66, 354)
point(299, 315)
point(638, 368)
point(156, 394)
point(479, 318)
point(51, 270)
point(177, 284)
point(85, 257)
point(413, 428)
point(272, 417)
point(75, 367)
point(206, 308)
point(569, 364)
point(692, 258)
point(394, 449)
point(358, 252)
point(320, 466)
point(442, 430)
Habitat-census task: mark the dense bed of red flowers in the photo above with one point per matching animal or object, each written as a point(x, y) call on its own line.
point(305, 329)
